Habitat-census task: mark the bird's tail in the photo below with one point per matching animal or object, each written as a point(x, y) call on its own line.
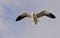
point(35, 22)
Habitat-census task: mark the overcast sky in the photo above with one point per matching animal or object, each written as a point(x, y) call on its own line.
point(46, 27)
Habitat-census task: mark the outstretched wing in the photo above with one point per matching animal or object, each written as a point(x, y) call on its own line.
point(40, 14)
point(22, 16)
point(45, 13)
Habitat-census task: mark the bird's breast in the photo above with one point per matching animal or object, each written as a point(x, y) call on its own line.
point(35, 18)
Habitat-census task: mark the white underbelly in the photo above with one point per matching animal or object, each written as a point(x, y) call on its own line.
point(35, 18)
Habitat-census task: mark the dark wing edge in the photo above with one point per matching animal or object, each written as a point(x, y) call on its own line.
point(51, 15)
point(20, 18)
point(23, 16)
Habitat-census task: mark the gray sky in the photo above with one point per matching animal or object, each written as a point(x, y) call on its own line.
point(46, 27)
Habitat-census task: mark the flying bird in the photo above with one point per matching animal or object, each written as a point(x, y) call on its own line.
point(35, 16)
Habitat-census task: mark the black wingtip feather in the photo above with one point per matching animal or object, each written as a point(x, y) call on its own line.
point(20, 18)
point(51, 15)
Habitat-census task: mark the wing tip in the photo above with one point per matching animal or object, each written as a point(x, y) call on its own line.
point(16, 20)
point(52, 16)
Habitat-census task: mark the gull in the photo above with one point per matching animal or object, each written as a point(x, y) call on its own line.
point(35, 16)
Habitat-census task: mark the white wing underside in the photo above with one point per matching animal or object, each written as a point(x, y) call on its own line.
point(22, 16)
point(45, 13)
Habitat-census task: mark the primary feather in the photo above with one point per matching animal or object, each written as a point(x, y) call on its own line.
point(45, 13)
point(20, 17)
